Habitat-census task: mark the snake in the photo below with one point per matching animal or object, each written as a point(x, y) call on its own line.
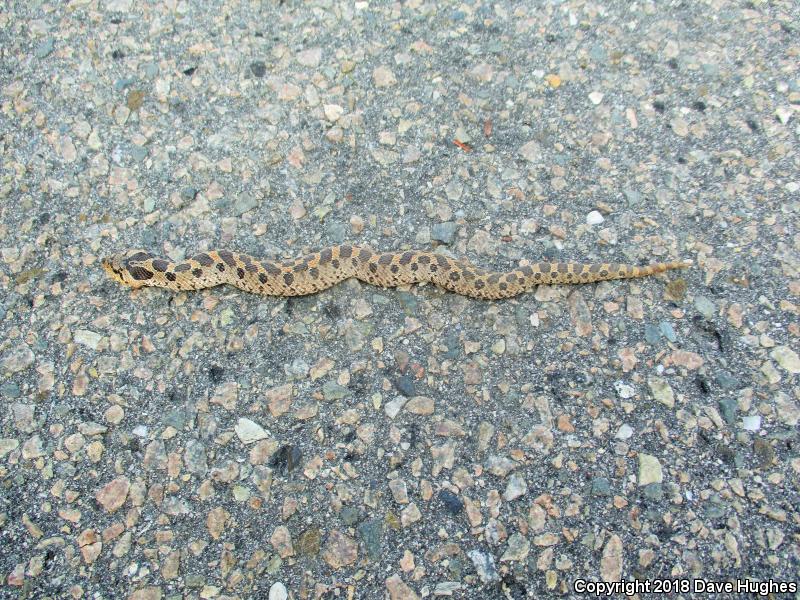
point(320, 270)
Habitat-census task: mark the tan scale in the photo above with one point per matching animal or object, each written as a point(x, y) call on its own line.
point(321, 270)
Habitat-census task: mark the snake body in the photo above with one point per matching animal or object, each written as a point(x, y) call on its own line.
point(321, 270)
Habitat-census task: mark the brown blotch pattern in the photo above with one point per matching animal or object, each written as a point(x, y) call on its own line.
point(204, 259)
point(140, 256)
point(140, 273)
point(159, 264)
point(227, 257)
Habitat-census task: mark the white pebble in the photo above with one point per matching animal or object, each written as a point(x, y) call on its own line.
point(249, 431)
point(624, 390)
point(784, 113)
point(751, 423)
point(624, 432)
point(596, 98)
point(278, 592)
point(594, 218)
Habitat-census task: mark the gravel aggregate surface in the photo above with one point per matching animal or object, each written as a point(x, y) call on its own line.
point(403, 443)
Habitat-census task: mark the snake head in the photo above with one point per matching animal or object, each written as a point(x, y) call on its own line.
point(129, 268)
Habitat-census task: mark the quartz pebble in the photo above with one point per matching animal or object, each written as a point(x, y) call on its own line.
point(594, 218)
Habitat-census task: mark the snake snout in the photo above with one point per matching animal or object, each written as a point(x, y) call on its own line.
point(114, 267)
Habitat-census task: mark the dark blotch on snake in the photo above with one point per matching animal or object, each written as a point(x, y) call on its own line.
point(326, 255)
point(140, 256)
point(406, 258)
point(385, 259)
point(454, 276)
point(204, 259)
point(220, 267)
point(170, 276)
point(159, 264)
point(140, 273)
point(197, 273)
point(345, 251)
point(424, 259)
point(227, 256)
point(262, 278)
point(288, 278)
point(240, 272)
point(180, 268)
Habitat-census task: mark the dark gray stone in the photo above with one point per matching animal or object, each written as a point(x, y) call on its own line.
point(258, 68)
point(9, 390)
point(654, 491)
point(349, 515)
point(633, 197)
point(337, 232)
point(727, 381)
point(244, 203)
point(601, 486)
point(371, 533)
point(405, 385)
point(728, 407)
point(444, 232)
point(451, 501)
point(652, 334)
point(668, 331)
point(44, 48)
